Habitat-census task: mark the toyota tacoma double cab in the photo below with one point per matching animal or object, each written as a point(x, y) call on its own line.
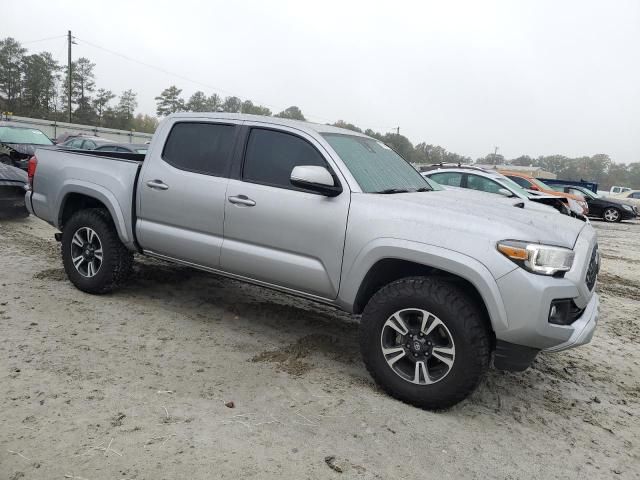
point(445, 284)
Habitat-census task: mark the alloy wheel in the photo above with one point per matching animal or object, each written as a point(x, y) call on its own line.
point(611, 215)
point(417, 346)
point(86, 252)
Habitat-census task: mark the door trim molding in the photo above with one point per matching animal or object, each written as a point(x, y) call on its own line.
point(233, 276)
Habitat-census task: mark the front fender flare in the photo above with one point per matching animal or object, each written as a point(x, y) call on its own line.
point(441, 258)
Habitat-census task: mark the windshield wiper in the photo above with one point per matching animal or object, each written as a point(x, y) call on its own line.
point(424, 189)
point(393, 190)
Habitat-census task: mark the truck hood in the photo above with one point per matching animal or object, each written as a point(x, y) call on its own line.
point(489, 219)
point(531, 204)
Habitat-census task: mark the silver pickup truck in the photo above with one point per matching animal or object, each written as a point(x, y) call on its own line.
point(444, 283)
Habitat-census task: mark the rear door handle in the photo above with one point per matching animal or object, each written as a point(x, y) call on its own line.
point(242, 200)
point(157, 185)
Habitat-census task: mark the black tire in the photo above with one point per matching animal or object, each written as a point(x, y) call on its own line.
point(117, 260)
point(613, 214)
point(465, 323)
point(6, 160)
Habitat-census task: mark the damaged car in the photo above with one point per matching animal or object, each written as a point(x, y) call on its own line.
point(18, 144)
point(13, 185)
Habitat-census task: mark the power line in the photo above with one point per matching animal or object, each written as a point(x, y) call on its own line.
point(43, 39)
point(191, 80)
point(180, 76)
point(160, 69)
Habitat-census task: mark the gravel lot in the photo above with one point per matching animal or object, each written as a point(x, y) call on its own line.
point(133, 385)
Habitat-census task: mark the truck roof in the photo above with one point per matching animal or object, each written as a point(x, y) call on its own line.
point(299, 124)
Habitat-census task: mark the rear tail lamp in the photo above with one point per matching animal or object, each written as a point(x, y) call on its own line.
point(31, 170)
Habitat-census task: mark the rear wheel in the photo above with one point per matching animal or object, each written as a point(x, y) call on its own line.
point(425, 342)
point(94, 258)
point(611, 215)
point(6, 160)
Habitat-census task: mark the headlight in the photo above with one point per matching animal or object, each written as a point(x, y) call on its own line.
point(584, 205)
point(537, 258)
point(627, 207)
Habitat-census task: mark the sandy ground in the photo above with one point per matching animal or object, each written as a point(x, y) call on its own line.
point(133, 385)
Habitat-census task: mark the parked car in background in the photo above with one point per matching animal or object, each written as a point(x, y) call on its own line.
point(17, 144)
point(615, 190)
point(123, 148)
point(13, 184)
point(630, 196)
point(84, 142)
point(66, 136)
point(478, 179)
point(552, 182)
point(608, 209)
point(529, 183)
point(445, 286)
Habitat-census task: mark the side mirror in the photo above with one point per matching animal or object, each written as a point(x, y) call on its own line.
point(315, 178)
point(505, 192)
point(535, 187)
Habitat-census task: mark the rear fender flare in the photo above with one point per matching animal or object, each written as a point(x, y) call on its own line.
point(101, 194)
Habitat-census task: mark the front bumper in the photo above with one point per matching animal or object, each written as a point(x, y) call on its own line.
point(628, 215)
point(527, 300)
point(583, 327)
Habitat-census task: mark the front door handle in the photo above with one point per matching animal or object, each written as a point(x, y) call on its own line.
point(242, 200)
point(157, 185)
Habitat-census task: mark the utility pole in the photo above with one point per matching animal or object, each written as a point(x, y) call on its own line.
point(69, 73)
point(495, 155)
point(398, 131)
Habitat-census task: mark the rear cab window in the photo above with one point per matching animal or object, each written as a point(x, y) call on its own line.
point(200, 147)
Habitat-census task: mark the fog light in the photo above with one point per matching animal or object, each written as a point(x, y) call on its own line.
point(559, 312)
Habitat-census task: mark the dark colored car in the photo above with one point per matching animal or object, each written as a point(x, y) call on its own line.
point(66, 136)
point(13, 184)
point(17, 144)
point(84, 142)
point(123, 148)
point(607, 209)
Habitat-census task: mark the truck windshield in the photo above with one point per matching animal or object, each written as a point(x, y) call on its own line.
point(376, 167)
point(23, 135)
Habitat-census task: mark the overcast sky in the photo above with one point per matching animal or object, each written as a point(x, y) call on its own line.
point(532, 77)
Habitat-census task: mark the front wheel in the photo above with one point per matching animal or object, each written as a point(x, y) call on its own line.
point(611, 215)
point(94, 258)
point(425, 342)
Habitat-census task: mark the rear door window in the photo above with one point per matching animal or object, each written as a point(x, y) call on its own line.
point(271, 156)
point(452, 179)
point(200, 147)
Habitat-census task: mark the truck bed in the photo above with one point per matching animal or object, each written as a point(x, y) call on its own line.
point(110, 177)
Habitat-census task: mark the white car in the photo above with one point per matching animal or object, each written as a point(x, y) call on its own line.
point(481, 180)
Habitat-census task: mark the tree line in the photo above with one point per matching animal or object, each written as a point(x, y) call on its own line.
point(35, 85)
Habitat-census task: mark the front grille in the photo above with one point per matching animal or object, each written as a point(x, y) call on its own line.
point(594, 268)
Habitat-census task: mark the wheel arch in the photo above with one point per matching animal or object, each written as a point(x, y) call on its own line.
point(76, 197)
point(383, 265)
